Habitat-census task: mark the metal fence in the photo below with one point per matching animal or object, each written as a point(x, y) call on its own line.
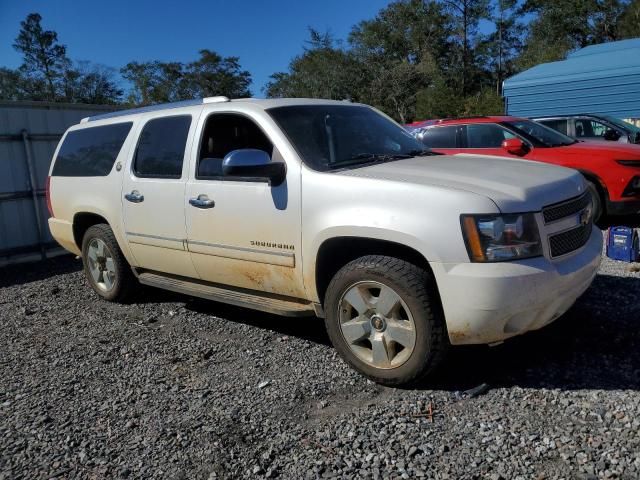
point(29, 133)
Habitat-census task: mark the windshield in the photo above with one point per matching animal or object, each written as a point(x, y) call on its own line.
point(538, 134)
point(329, 137)
point(621, 123)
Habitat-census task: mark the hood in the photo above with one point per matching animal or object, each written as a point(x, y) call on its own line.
point(513, 185)
point(617, 150)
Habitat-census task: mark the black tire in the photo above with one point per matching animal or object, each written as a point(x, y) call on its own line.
point(124, 281)
point(417, 290)
point(598, 205)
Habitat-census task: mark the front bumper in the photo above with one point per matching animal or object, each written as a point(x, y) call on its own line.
point(490, 302)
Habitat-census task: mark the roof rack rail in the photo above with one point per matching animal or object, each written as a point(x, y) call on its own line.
point(154, 108)
point(218, 99)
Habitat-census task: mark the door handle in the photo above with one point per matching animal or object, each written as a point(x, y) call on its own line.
point(134, 197)
point(202, 201)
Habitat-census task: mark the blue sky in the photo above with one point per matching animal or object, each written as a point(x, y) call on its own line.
point(264, 34)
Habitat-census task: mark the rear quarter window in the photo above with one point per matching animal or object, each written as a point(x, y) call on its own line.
point(559, 125)
point(90, 152)
point(440, 137)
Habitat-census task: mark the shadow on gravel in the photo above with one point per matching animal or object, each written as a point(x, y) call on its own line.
point(307, 328)
point(596, 345)
point(22, 273)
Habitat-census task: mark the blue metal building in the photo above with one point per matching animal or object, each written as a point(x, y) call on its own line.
point(601, 79)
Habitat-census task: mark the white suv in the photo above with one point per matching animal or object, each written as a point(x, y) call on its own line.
point(305, 207)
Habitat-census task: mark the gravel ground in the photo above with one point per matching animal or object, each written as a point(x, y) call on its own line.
point(173, 387)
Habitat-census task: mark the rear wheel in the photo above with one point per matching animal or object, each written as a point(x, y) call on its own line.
point(383, 318)
point(105, 267)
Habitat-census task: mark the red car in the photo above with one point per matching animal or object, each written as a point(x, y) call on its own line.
point(611, 169)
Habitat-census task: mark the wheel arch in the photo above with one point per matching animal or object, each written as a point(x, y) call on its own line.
point(600, 187)
point(597, 181)
point(82, 221)
point(334, 253)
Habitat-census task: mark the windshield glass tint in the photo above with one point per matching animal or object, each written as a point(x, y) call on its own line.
point(337, 136)
point(621, 123)
point(543, 136)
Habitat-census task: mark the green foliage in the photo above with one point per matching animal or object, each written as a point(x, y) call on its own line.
point(574, 23)
point(44, 59)
point(498, 51)
point(415, 59)
point(213, 75)
point(629, 26)
point(484, 102)
point(438, 101)
point(464, 67)
point(405, 31)
point(210, 75)
point(89, 83)
point(421, 59)
point(324, 70)
point(47, 73)
point(10, 84)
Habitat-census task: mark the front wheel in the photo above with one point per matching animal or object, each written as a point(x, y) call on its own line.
point(597, 201)
point(105, 267)
point(383, 317)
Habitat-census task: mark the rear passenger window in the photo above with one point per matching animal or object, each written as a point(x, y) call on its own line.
point(90, 152)
point(161, 147)
point(439, 137)
point(559, 125)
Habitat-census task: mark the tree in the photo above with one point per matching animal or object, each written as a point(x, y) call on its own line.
point(44, 59)
point(213, 75)
point(499, 49)
point(467, 15)
point(629, 21)
point(402, 51)
point(484, 102)
point(438, 100)
point(210, 75)
point(576, 23)
point(10, 84)
point(92, 84)
point(405, 31)
point(395, 86)
point(323, 70)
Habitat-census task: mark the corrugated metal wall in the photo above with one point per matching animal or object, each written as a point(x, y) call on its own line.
point(29, 133)
point(601, 79)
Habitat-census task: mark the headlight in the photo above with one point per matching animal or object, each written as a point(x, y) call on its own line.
point(498, 238)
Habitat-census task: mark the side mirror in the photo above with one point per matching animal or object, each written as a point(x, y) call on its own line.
point(253, 164)
point(515, 146)
point(611, 135)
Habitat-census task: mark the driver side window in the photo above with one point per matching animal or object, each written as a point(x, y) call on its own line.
point(223, 133)
point(590, 128)
point(486, 135)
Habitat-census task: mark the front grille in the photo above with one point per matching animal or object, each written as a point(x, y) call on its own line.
point(565, 209)
point(566, 242)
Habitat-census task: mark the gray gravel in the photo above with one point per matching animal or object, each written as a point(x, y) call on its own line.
point(172, 387)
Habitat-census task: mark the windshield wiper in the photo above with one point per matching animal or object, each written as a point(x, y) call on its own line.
point(562, 144)
point(369, 158)
point(380, 156)
point(424, 152)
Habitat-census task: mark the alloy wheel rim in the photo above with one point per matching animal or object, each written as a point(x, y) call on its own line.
point(377, 324)
point(101, 265)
